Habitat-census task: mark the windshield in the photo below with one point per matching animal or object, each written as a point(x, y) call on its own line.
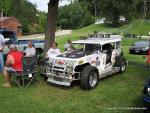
point(87, 48)
point(80, 50)
point(142, 44)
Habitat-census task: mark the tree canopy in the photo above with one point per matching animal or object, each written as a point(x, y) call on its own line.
point(26, 12)
point(113, 9)
point(75, 15)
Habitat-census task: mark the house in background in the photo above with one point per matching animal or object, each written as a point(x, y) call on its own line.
point(100, 21)
point(11, 23)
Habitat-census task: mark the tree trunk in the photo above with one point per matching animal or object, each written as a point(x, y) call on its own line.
point(51, 23)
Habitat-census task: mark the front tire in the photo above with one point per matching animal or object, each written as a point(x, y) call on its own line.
point(89, 78)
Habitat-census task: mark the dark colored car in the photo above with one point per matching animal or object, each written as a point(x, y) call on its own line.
point(140, 47)
point(146, 96)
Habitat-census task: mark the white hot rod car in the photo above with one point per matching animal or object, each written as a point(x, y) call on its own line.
point(92, 58)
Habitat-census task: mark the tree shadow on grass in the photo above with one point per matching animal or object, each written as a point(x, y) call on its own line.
point(73, 85)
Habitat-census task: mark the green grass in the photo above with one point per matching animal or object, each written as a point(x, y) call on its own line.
point(137, 27)
point(120, 90)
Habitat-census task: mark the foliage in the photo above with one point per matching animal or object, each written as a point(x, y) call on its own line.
point(74, 16)
point(113, 9)
point(26, 12)
point(41, 21)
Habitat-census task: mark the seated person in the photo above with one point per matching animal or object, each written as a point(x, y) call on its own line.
point(53, 51)
point(107, 49)
point(67, 45)
point(70, 49)
point(13, 64)
point(30, 51)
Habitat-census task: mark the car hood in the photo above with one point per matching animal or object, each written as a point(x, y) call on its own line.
point(72, 54)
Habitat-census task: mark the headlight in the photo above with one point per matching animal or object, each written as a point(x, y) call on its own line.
point(145, 49)
point(69, 69)
point(148, 91)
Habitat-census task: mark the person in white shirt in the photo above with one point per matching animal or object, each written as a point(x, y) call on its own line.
point(2, 41)
point(53, 51)
point(30, 51)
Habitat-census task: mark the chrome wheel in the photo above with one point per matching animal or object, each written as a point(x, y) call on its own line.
point(93, 79)
point(123, 67)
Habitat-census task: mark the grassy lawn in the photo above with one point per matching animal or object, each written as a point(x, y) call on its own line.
point(120, 90)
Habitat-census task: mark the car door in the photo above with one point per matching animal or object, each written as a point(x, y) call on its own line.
point(116, 52)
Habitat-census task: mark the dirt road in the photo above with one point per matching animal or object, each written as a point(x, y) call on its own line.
point(42, 36)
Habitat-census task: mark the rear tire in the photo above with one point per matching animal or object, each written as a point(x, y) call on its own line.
point(121, 63)
point(89, 78)
point(123, 66)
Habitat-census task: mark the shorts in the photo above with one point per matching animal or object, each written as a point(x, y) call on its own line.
point(10, 69)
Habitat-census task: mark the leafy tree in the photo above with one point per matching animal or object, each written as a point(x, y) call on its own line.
point(41, 21)
point(74, 15)
point(23, 10)
point(6, 5)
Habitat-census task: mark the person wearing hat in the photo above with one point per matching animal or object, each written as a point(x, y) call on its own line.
point(1, 52)
point(13, 64)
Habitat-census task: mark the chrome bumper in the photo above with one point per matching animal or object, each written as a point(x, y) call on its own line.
point(60, 81)
point(58, 75)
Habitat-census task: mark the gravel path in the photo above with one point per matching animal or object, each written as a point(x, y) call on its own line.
point(42, 36)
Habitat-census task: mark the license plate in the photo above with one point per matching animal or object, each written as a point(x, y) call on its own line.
point(137, 51)
point(58, 78)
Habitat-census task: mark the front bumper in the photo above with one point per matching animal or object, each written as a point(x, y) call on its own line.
point(139, 52)
point(58, 75)
point(59, 81)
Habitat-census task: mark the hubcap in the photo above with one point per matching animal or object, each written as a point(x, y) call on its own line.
point(123, 66)
point(93, 79)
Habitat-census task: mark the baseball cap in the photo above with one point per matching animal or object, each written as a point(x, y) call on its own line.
point(13, 46)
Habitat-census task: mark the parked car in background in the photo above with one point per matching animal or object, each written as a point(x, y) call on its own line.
point(140, 47)
point(11, 38)
point(146, 96)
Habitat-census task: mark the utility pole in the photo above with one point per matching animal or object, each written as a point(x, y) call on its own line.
point(95, 9)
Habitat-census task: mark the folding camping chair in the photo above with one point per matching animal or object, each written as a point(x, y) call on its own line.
point(28, 73)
